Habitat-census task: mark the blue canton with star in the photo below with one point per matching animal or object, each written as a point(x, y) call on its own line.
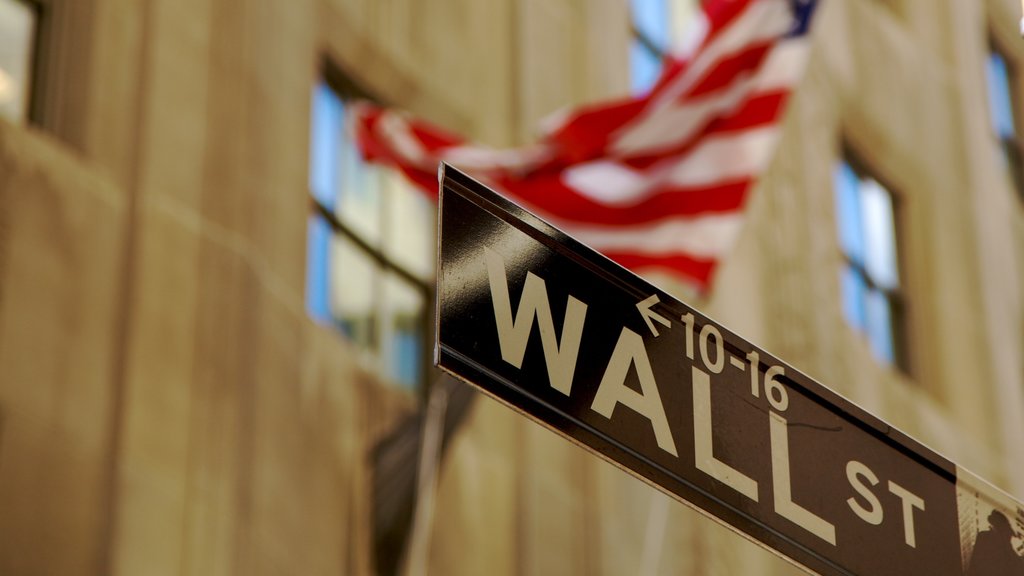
point(802, 10)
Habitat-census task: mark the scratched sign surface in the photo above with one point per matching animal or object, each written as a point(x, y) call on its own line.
point(560, 333)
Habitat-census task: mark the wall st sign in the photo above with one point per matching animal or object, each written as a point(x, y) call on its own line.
point(567, 337)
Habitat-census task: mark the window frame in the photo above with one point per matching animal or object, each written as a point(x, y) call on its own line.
point(348, 89)
point(640, 39)
point(1012, 147)
point(41, 27)
point(46, 60)
point(897, 296)
point(675, 32)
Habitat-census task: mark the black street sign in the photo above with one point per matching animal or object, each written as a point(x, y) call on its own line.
point(576, 342)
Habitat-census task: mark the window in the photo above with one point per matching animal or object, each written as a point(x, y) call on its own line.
point(871, 297)
point(657, 26)
point(370, 248)
point(17, 43)
point(1001, 84)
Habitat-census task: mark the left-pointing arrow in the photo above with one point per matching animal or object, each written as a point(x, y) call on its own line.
point(645, 310)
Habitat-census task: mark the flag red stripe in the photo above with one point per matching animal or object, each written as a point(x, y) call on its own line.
point(728, 69)
point(551, 196)
point(604, 170)
point(757, 111)
point(720, 15)
point(588, 132)
point(432, 138)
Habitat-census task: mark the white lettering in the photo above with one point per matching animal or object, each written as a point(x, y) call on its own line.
point(910, 501)
point(702, 440)
point(854, 472)
point(514, 335)
point(784, 504)
point(613, 390)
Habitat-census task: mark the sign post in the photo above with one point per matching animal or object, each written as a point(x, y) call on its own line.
point(565, 336)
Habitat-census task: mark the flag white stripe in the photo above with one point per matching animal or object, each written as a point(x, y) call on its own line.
point(395, 130)
point(678, 122)
point(721, 158)
point(725, 157)
point(481, 159)
point(608, 182)
point(707, 236)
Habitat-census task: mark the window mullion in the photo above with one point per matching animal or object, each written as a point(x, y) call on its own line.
point(648, 44)
point(372, 251)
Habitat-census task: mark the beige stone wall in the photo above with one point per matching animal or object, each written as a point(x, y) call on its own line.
point(61, 253)
point(166, 407)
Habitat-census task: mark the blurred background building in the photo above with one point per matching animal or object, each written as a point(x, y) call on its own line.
point(197, 366)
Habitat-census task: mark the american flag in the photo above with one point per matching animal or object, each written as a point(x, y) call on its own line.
point(657, 181)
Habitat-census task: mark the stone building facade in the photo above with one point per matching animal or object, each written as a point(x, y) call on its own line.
point(167, 406)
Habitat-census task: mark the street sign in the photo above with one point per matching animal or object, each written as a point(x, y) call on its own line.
point(569, 338)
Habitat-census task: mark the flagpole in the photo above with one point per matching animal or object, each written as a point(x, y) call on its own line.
point(417, 553)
